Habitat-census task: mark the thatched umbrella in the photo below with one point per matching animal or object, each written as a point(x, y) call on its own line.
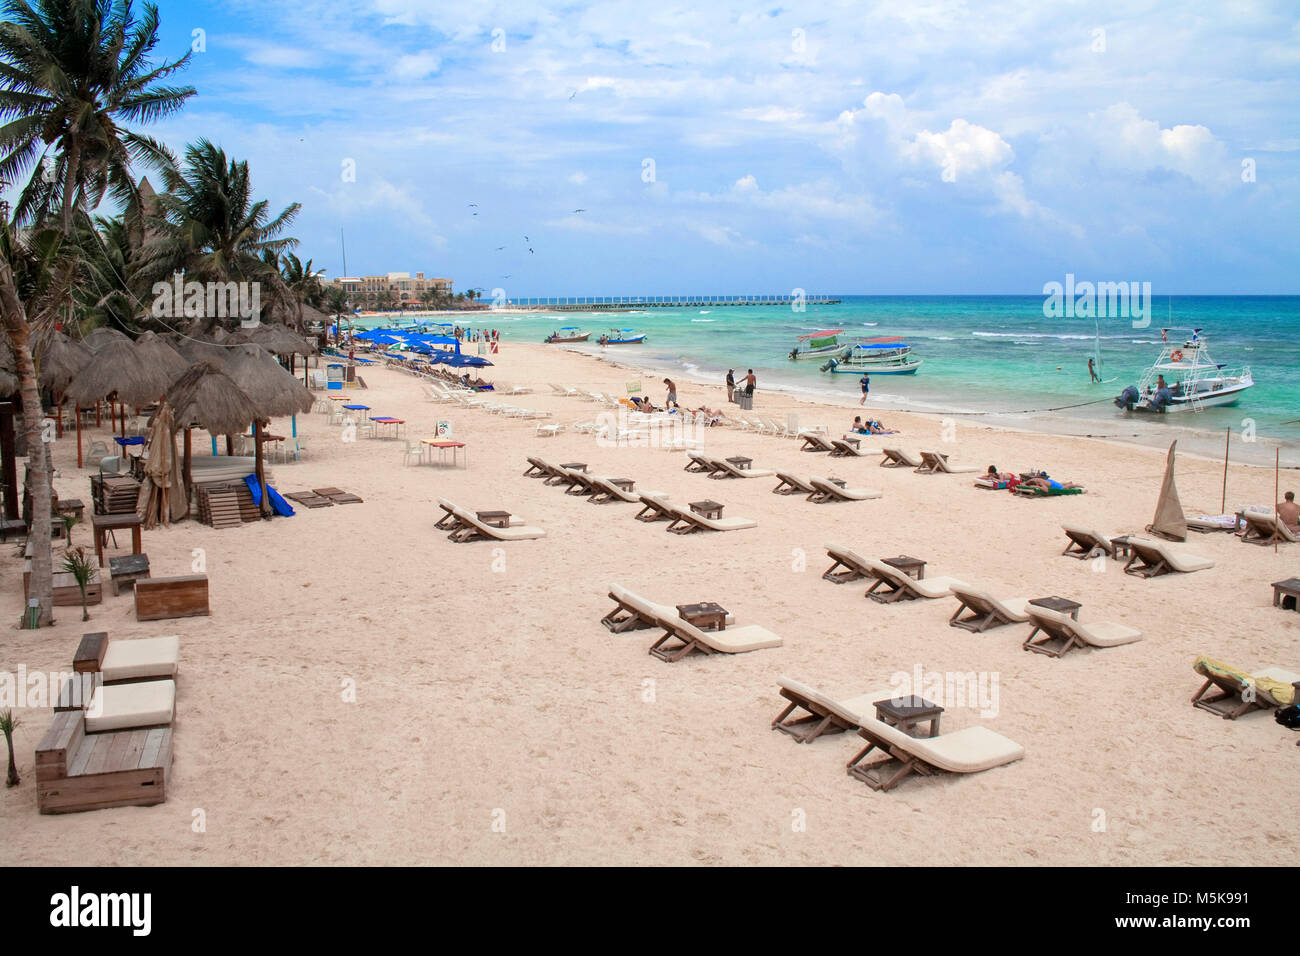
point(96, 339)
point(159, 354)
point(60, 360)
point(273, 392)
point(208, 398)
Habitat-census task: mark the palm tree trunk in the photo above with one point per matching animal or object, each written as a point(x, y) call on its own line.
point(14, 319)
point(70, 185)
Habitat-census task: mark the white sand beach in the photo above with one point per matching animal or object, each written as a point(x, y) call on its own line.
point(495, 721)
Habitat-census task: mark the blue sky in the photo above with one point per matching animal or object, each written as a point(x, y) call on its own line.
point(928, 147)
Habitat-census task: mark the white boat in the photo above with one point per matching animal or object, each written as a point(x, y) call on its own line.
point(889, 356)
point(815, 345)
point(1185, 379)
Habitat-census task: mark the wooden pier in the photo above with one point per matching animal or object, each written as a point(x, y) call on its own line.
point(626, 303)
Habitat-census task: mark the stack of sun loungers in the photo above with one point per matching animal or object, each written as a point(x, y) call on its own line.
point(970, 750)
point(680, 637)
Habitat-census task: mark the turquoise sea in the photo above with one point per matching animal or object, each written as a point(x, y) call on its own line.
point(998, 356)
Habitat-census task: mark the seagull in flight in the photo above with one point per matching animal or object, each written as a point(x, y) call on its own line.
point(530, 252)
point(474, 204)
point(573, 94)
point(579, 210)
point(499, 248)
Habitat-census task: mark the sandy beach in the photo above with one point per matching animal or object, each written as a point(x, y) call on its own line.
point(367, 692)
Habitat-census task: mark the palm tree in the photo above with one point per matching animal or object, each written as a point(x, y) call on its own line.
point(72, 72)
point(8, 723)
point(302, 281)
point(210, 226)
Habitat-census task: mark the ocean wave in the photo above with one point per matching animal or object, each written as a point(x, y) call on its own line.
point(704, 320)
point(1032, 335)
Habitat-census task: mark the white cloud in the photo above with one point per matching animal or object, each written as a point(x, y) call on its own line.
point(1132, 142)
point(578, 178)
point(416, 66)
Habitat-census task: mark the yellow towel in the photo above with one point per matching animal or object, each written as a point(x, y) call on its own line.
point(1280, 692)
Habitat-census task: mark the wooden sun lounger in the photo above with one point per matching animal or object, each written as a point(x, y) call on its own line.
point(1152, 558)
point(124, 706)
point(1062, 633)
point(725, 469)
point(933, 462)
point(986, 611)
point(309, 499)
point(633, 613)
point(824, 491)
point(688, 522)
point(842, 449)
point(855, 566)
point(1266, 528)
point(1086, 543)
point(1240, 692)
point(79, 771)
point(655, 508)
point(813, 441)
point(537, 468)
point(691, 640)
point(824, 716)
point(900, 587)
point(470, 528)
point(127, 661)
point(791, 485)
point(697, 462)
point(971, 750)
point(605, 492)
point(897, 458)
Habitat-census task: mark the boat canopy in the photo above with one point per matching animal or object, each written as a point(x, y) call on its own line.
point(816, 335)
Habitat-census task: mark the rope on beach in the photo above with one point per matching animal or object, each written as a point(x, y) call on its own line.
point(1030, 411)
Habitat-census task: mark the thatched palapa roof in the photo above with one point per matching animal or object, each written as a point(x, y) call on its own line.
point(158, 352)
point(208, 398)
point(59, 360)
point(270, 388)
point(118, 367)
point(102, 336)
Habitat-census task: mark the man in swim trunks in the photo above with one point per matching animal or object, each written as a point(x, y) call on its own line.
point(671, 401)
point(1288, 510)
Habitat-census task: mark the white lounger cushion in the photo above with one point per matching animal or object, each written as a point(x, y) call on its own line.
point(650, 608)
point(142, 657)
point(927, 587)
point(900, 455)
point(121, 706)
point(734, 640)
point(1096, 634)
point(713, 524)
point(1089, 533)
point(512, 533)
point(1273, 672)
point(835, 491)
point(964, 751)
point(1179, 561)
point(1013, 609)
point(852, 710)
point(802, 482)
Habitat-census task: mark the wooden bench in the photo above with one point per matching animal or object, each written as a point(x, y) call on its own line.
point(79, 771)
point(158, 599)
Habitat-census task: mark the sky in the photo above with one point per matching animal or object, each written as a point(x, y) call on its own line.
point(637, 148)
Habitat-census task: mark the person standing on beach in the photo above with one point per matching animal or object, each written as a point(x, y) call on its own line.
point(750, 383)
point(731, 384)
point(671, 401)
point(865, 382)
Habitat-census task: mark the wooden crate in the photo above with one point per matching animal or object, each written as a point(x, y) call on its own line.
point(158, 599)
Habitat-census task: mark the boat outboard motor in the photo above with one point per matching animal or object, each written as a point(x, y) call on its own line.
point(794, 353)
point(829, 366)
point(1127, 398)
point(1161, 399)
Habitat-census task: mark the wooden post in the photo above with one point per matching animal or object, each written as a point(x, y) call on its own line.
point(1223, 502)
point(58, 419)
point(230, 444)
point(78, 417)
point(257, 467)
point(1277, 468)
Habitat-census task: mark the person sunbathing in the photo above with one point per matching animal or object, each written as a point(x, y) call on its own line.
point(994, 475)
point(1048, 484)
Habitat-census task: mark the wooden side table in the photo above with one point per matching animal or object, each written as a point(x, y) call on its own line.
point(1059, 604)
point(708, 509)
point(706, 615)
point(906, 712)
point(496, 519)
point(912, 567)
point(1287, 591)
point(128, 569)
point(103, 524)
point(741, 463)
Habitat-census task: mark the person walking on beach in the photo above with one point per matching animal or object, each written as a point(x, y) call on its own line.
point(671, 401)
point(731, 384)
point(865, 382)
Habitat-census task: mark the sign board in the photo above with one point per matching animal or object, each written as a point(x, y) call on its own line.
point(634, 388)
point(444, 430)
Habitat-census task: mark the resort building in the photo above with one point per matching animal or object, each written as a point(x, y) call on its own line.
point(398, 290)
